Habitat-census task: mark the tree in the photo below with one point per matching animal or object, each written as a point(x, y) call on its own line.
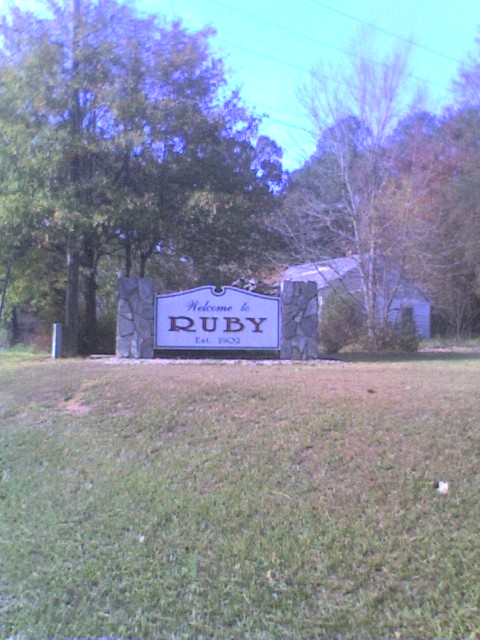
point(342, 188)
point(433, 197)
point(454, 240)
point(466, 86)
point(23, 206)
point(463, 129)
point(226, 234)
point(127, 118)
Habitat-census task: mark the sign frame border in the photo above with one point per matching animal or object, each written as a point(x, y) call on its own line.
point(218, 294)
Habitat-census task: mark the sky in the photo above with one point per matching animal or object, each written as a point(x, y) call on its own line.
point(271, 45)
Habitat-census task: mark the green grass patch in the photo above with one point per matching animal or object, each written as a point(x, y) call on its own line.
point(234, 501)
point(21, 352)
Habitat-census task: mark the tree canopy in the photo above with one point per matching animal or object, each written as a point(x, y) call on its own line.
point(118, 136)
point(123, 148)
point(393, 186)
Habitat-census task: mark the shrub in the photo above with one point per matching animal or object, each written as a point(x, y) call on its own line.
point(342, 325)
point(406, 337)
point(4, 338)
point(401, 336)
point(106, 328)
point(341, 321)
point(393, 338)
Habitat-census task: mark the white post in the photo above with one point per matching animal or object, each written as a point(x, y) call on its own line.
point(57, 340)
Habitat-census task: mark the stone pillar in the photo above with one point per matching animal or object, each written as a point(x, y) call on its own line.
point(135, 317)
point(299, 302)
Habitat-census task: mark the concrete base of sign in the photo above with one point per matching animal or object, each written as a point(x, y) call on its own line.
point(299, 321)
point(135, 318)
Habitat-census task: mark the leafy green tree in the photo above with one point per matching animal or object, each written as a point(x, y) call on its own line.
point(131, 136)
point(226, 234)
point(24, 207)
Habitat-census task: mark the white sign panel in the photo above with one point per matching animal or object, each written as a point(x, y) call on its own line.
point(204, 318)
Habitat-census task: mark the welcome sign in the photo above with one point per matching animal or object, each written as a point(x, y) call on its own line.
point(204, 318)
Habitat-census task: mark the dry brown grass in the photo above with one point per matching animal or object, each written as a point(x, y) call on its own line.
point(165, 500)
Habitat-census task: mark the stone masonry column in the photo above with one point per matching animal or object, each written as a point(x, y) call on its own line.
point(299, 302)
point(135, 318)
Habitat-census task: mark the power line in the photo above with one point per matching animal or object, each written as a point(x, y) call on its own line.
point(267, 106)
point(264, 55)
point(267, 116)
point(315, 40)
point(385, 31)
point(277, 61)
point(290, 125)
point(272, 59)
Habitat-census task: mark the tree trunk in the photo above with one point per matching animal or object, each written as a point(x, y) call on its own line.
point(91, 330)
point(14, 328)
point(71, 319)
point(144, 256)
point(4, 290)
point(143, 264)
point(90, 295)
point(71, 312)
point(128, 256)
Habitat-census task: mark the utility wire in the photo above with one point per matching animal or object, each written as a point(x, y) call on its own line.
point(388, 33)
point(267, 106)
point(271, 59)
point(290, 125)
point(315, 40)
point(268, 117)
point(264, 55)
point(276, 60)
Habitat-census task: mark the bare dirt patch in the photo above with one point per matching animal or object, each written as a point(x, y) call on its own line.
point(74, 407)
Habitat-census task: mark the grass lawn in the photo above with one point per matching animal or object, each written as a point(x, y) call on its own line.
point(213, 500)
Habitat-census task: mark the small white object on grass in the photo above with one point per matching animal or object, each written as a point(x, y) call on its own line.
point(442, 487)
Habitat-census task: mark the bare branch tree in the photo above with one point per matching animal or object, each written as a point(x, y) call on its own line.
point(354, 112)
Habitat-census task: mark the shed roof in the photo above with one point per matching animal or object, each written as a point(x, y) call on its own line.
point(324, 272)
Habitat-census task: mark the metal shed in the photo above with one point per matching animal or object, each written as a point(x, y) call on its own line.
point(343, 274)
